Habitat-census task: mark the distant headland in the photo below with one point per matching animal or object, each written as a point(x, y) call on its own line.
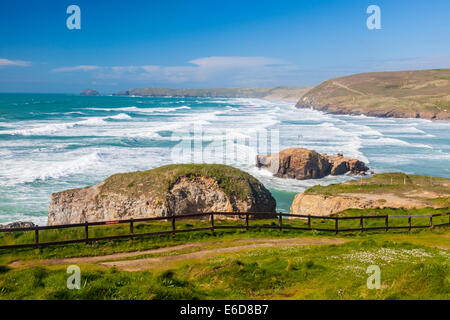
point(292, 94)
point(403, 94)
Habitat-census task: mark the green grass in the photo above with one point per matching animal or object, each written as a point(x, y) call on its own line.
point(125, 245)
point(152, 242)
point(395, 182)
point(412, 265)
point(408, 271)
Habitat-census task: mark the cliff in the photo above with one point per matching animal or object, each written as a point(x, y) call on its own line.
point(387, 190)
point(404, 94)
point(165, 191)
point(301, 164)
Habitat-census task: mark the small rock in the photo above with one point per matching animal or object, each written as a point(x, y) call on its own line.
point(18, 224)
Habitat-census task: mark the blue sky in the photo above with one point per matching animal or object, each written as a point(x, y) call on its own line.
point(196, 43)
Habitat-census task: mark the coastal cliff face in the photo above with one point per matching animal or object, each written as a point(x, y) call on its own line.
point(301, 164)
point(165, 191)
point(388, 190)
point(322, 205)
point(405, 94)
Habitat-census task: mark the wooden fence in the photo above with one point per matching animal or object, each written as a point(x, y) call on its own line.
point(212, 227)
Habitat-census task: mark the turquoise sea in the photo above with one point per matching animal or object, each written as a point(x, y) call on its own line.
point(54, 142)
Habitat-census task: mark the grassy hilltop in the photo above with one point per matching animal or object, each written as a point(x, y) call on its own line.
point(429, 191)
point(158, 181)
point(404, 94)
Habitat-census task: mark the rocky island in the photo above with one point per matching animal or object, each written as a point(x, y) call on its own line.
point(386, 190)
point(90, 92)
point(302, 164)
point(165, 191)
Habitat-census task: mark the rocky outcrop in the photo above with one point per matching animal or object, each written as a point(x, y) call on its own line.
point(18, 224)
point(322, 205)
point(341, 165)
point(90, 92)
point(165, 191)
point(301, 164)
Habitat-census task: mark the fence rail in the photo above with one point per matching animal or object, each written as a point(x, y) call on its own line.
point(213, 226)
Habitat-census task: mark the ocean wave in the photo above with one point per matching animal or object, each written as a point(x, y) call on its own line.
point(120, 116)
point(142, 110)
point(51, 128)
point(32, 171)
point(40, 220)
point(393, 142)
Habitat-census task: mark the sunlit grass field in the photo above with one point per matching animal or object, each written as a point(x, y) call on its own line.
point(414, 265)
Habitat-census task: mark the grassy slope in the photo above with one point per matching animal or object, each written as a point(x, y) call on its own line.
point(399, 184)
point(424, 94)
point(411, 264)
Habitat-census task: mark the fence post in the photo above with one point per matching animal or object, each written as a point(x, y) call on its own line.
point(131, 228)
point(173, 226)
point(309, 222)
point(280, 221)
point(336, 226)
point(86, 232)
point(386, 223)
point(431, 221)
point(361, 224)
point(212, 223)
point(409, 223)
point(36, 236)
point(246, 221)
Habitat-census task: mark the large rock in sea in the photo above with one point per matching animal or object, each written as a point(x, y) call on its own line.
point(301, 164)
point(165, 191)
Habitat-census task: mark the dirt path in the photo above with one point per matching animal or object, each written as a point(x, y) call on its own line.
point(146, 263)
point(347, 88)
point(113, 256)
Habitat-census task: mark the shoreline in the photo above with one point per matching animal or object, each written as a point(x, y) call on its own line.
point(396, 114)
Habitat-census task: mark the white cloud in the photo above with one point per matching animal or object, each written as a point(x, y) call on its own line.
point(14, 63)
point(232, 70)
point(417, 63)
point(234, 62)
point(77, 68)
